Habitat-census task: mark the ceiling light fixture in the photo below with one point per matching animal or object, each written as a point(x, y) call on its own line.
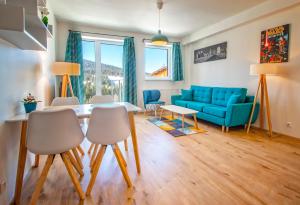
point(159, 39)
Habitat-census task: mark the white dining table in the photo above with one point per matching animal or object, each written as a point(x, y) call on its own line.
point(82, 111)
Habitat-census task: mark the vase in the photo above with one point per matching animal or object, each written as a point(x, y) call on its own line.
point(29, 107)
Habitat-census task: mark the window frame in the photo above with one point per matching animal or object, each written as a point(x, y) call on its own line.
point(98, 41)
point(167, 47)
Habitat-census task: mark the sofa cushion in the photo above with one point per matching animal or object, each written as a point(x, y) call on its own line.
point(182, 103)
point(202, 94)
point(215, 110)
point(220, 96)
point(186, 95)
point(196, 105)
point(234, 99)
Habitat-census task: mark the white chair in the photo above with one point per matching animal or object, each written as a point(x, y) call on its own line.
point(51, 133)
point(98, 99)
point(102, 99)
point(61, 101)
point(108, 126)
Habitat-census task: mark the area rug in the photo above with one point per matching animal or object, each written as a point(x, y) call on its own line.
point(174, 126)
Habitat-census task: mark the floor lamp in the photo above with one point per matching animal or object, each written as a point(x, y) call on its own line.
point(66, 69)
point(262, 70)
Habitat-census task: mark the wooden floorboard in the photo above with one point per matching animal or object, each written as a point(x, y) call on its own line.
point(208, 168)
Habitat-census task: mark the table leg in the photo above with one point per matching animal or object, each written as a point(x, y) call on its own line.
point(195, 121)
point(161, 113)
point(182, 119)
point(21, 164)
point(134, 141)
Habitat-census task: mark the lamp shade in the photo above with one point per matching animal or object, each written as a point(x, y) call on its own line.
point(159, 39)
point(263, 69)
point(66, 68)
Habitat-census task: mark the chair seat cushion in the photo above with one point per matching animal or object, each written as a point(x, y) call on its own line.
point(156, 102)
point(215, 110)
point(196, 105)
point(182, 103)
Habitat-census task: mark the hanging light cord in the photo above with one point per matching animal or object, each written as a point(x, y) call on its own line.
point(158, 19)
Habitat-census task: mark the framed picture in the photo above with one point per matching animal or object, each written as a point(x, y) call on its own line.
point(274, 45)
point(211, 53)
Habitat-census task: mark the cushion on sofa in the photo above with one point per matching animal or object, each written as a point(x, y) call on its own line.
point(186, 95)
point(202, 94)
point(215, 110)
point(234, 99)
point(220, 96)
point(182, 103)
point(196, 105)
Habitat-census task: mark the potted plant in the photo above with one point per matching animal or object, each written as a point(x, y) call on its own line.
point(30, 103)
point(45, 13)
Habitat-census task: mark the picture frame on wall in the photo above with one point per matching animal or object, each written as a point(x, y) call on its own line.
point(211, 53)
point(274, 45)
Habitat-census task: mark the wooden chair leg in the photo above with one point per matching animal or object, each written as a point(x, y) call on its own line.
point(227, 129)
point(74, 150)
point(122, 166)
point(75, 163)
point(91, 148)
point(79, 148)
point(126, 145)
point(70, 170)
point(41, 180)
point(123, 160)
point(36, 160)
point(94, 155)
point(98, 161)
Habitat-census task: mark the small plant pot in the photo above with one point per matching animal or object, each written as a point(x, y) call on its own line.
point(29, 107)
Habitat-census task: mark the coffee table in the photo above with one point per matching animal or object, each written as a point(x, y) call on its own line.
point(181, 111)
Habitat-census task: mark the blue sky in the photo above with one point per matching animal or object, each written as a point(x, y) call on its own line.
point(112, 55)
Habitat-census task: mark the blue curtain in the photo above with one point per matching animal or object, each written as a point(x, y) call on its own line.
point(74, 55)
point(129, 66)
point(177, 62)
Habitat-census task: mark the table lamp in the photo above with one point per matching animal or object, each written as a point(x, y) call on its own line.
point(66, 69)
point(262, 70)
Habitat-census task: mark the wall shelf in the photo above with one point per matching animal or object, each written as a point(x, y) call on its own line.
point(24, 30)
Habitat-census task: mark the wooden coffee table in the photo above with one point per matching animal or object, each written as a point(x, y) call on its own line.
point(181, 111)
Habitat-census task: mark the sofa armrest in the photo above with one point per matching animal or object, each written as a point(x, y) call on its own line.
point(239, 114)
point(174, 98)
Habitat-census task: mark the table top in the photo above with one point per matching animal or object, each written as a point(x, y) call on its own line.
point(178, 109)
point(82, 111)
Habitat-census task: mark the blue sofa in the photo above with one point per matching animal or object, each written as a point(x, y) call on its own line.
point(214, 106)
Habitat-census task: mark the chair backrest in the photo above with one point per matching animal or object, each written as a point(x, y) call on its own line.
point(108, 125)
point(151, 95)
point(102, 99)
point(53, 132)
point(60, 101)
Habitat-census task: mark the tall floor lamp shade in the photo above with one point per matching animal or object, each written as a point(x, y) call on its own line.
point(66, 69)
point(262, 70)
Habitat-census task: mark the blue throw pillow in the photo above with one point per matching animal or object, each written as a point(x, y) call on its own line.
point(233, 99)
point(187, 95)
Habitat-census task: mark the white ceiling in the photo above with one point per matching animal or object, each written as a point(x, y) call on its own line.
point(178, 17)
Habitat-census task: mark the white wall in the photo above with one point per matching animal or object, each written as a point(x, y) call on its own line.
point(167, 87)
point(243, 49)
point(20, 72)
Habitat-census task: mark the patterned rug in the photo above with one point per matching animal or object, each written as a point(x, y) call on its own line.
point(174, 126)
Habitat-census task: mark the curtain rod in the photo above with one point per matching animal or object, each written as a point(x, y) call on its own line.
point(103, 34)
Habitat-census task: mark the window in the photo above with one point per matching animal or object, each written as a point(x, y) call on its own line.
point(157, 62)
point(102, 64)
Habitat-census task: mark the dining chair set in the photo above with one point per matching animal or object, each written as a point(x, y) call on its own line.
point(47, 128)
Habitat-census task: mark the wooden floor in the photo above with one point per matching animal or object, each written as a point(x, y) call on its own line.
point(212, 168)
